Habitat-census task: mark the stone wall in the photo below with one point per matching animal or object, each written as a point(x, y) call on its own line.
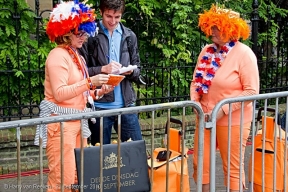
point(44, 5)
point(29, 154)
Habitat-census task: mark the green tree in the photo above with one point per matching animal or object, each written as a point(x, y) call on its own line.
point(22, 55)
point(169, 42)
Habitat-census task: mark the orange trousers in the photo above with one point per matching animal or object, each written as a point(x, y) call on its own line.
point(222, 141)
point(72, 140)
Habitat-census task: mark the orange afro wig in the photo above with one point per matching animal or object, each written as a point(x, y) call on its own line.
point(229, 23)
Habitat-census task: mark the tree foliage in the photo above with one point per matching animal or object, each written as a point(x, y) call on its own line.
point(169, 42)
point(22, 55)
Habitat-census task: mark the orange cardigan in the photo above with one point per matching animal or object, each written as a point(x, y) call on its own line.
point(238, 76)
point(64, 82)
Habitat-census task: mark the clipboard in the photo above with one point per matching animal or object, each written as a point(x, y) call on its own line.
point(124, 69)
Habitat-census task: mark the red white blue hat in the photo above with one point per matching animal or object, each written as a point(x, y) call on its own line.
point(71, 16)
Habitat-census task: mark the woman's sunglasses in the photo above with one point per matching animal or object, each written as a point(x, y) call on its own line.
point(81, 34)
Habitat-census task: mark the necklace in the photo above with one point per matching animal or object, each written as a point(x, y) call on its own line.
point(204, 74)
point(76, 60)
point(74, 56)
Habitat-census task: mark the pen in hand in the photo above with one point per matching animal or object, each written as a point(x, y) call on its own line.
point(109, 59)
point(115, 66)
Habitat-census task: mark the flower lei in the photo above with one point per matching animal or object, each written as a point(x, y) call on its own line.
point(215, 59)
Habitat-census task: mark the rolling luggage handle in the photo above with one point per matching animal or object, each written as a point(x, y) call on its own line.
point(269, 136)
point(175, 135)
point(259, 117)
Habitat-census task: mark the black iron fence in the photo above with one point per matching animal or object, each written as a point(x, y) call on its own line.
point(22, 60)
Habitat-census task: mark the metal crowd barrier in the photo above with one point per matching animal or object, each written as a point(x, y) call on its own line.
point(263, 98)
point(115, 112)
point(209, 124)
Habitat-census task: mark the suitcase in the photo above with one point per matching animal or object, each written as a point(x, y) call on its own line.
point(175, 162)
point(269, 152)
point(174, 174)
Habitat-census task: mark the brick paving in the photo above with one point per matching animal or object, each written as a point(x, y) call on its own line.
point(31, 183)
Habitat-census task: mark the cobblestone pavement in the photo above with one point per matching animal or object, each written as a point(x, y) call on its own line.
point(31, 183)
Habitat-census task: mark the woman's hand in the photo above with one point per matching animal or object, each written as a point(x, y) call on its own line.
point(105, 89)
point(99, 80)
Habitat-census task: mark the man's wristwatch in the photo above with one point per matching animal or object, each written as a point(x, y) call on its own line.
point(96, 95)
